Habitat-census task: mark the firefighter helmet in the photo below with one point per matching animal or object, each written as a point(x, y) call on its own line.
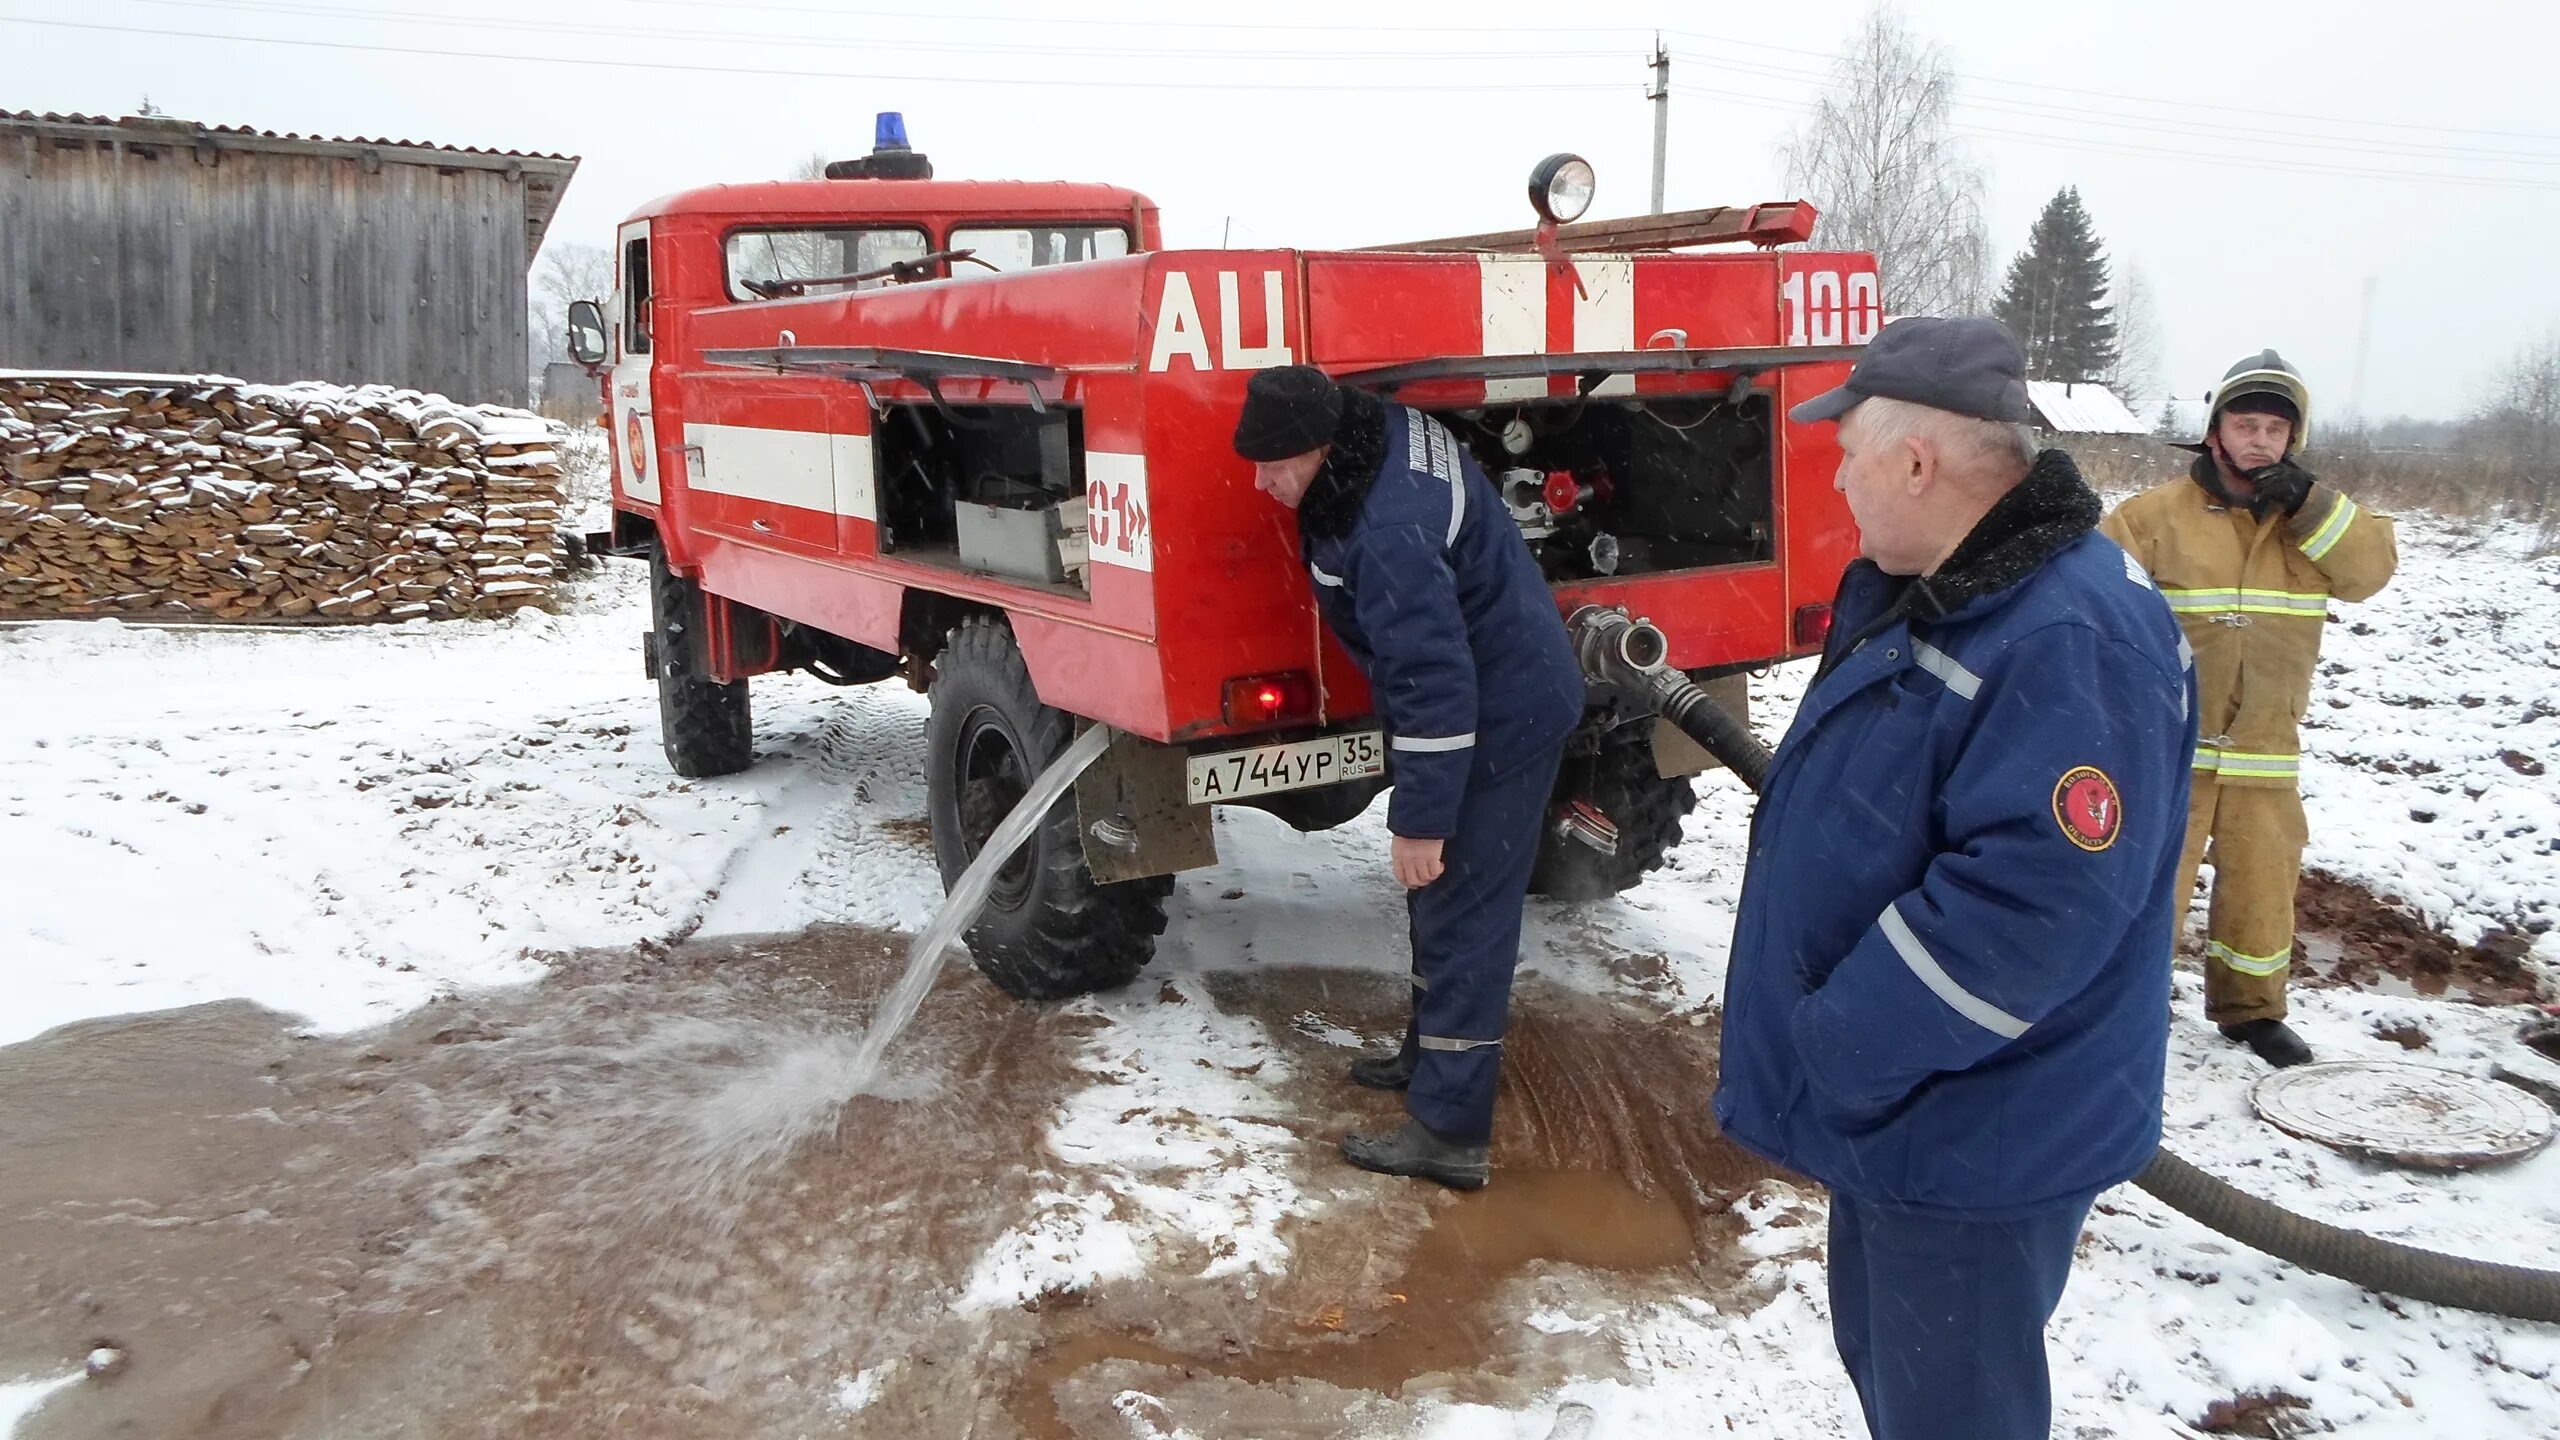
point(2265, 373)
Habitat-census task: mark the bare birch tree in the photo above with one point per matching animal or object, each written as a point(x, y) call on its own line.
point(574, 271)
point(1878, 157)
point(2516, 435)
point(2136, 376)
point(568, 270)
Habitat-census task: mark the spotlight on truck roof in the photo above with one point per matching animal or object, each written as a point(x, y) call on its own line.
point(1560, 188)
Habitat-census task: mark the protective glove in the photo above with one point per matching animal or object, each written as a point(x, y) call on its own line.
point(2279, 488)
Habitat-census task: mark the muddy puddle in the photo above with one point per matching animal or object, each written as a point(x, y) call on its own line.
point(495, 1218)
point(2351, 937)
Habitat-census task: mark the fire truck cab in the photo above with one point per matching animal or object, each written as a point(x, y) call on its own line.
point(975, 435)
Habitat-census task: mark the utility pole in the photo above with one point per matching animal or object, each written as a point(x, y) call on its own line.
point(1660, 95)
point(2364, 347)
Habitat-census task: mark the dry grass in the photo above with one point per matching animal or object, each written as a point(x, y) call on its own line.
point(2439, 482)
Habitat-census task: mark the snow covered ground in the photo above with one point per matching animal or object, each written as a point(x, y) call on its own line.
point(342, 823)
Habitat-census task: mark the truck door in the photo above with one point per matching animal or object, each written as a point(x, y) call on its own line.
point(760, 463)
point(636, 450)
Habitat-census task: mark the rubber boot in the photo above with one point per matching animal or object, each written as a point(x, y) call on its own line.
point(2274, 1041)
point(1424, 1153)
point(1390, 1071)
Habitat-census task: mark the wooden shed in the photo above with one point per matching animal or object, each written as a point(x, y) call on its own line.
point(153, 244)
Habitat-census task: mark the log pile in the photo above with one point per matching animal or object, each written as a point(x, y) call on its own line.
point(178, 497)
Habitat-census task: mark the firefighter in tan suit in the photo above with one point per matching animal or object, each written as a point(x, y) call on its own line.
point(2250, 549)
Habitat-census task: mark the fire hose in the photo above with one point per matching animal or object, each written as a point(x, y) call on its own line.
point(1630, 659)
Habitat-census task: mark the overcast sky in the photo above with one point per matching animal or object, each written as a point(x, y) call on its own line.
point(2415, 149)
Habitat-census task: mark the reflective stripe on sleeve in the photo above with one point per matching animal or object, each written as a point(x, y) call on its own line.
point(1433, 744)
point(2331, 531)
point(2247, 764)
point(1321, 577)
point(1943, 665)
point(1457, 490)
point(1964, 1002)
point(1449, 1043)
point(1432, 450)
point(2258, 965)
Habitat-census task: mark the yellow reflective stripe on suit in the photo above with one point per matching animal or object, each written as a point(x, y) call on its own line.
point(2331, 531)
point(2254, 765)
point(2313, 604)
point(2250, 964)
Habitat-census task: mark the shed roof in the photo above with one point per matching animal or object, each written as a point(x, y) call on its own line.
point(2082, 408)
point(545, 176)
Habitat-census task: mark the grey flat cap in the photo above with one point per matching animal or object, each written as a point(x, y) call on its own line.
point(1969, 364)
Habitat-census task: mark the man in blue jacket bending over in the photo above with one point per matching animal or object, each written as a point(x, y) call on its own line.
point(1948, 997)
point(1420, 570)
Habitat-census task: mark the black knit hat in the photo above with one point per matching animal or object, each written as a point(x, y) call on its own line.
point(1287, 411)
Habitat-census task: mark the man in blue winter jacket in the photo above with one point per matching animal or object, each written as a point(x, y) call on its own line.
point(1420, 571)
point(1948, 997)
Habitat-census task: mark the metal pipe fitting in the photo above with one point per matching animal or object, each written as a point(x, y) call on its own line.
point(1617, 649)
point(1632, 656)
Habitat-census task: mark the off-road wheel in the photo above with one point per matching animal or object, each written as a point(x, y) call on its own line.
point(1049, 929)
point(1618, 780)
point(704, 724)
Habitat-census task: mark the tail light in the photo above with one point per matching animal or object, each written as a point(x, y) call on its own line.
point(1270, 699)
point(1813, 626)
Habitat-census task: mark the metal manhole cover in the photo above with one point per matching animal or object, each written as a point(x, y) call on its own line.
point(2411, 1114)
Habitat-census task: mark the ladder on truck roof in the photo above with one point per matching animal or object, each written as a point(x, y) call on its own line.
point(867, 365)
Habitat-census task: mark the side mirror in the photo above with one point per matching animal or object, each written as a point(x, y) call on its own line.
point(586, 332)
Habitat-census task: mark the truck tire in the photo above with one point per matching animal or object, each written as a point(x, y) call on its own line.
point(1617, 778)
point(1049, 929)
point(704, 725)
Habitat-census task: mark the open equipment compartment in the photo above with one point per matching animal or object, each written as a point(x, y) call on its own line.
point(995, 489)
point(1631, 485)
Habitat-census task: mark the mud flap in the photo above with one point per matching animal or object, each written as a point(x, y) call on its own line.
point(737, 640)
point(1135, 816)
point(1674, 753)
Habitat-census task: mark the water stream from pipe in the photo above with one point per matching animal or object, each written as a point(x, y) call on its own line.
point(760, 1116)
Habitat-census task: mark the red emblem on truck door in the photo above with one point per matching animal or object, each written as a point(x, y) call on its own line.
point(2086, 805)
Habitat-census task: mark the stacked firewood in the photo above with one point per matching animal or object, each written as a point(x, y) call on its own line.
point(211, 499)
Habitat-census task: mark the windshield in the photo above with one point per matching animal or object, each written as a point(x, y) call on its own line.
point(1028, 247)
point(816, 260)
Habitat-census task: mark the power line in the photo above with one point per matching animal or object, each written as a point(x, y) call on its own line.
point(2197, 129)
point(2149, 99)
point(798, 40)
point(2168, 126)
point(1355, 27)
point(2098, 146)
point(2295, 167)
point(771, 72)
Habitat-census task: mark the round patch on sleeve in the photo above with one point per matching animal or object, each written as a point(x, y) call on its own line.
point(2086, 805)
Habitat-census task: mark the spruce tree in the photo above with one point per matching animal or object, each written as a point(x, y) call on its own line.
point(2055, 297)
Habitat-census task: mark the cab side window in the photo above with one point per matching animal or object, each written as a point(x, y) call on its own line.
point(635, 298)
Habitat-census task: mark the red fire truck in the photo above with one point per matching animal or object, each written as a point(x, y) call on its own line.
point(975, 435)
